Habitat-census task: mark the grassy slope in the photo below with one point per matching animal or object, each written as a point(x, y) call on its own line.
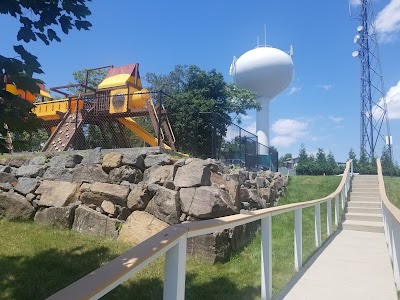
point(36, 261)
point(392, 186)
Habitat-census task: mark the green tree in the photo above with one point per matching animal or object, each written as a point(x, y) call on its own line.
point(94, 79)
point(304, 162)
point(199, 105)
point(39, 20)
point(352, 155)
point(332, 167)
point(321, 162)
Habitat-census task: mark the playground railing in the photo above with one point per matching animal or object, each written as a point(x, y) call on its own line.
point(173, 241)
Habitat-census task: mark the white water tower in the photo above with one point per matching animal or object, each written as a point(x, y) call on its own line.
point(266, 71)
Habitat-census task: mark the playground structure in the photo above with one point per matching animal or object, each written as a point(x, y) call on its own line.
point(112, 107)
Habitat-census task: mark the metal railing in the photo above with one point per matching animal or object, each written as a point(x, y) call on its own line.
point(173, 241)
point(391, 224)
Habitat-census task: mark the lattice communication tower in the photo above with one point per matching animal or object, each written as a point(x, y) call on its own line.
point(373, 113)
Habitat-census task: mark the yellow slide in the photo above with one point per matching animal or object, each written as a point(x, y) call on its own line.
point(140, 132)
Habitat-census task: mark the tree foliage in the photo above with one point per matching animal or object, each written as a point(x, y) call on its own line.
point(200, 104)
point(94, 79)
point(39, 20)
point(321, 164)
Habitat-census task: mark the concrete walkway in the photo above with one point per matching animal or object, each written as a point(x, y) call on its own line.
point(354, 264)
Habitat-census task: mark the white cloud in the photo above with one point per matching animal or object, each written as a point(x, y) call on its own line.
point(355, 2)
point(251, 127)
point(326, 87)
point(336, 120)
point(288, 132)
point(393, 104)
point(293, 90)
point(387, 22)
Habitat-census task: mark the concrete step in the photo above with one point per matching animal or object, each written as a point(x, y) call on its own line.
point(362, 210)
point(365, 195)
point(368, 226)
point(365, 186)
point(363, 217)
point(366, 189)
point(366, 199)
point(364, 204)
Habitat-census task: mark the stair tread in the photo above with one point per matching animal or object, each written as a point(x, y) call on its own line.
point(363, 214)
point(363, 223)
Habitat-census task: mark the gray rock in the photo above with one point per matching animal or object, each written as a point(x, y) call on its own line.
point(58, 174)
point(57, 193)
point(193, 174)
point(30, 171)
point(206, 202)
point(73, 160)
point(165, 206)
point(4, 161)
point(93, 157)
point(243, 176)
point(158, 174)
point(133, 160)
point(58, 162)
point(123, 214)
point(7, 178)
point(61, 217)
point(5, 169)
point(30, 197)
point(157, 160)
point(15, 207)
point(125, 173)
point(38, 161)
point(230, 183)
point(109, 208)
point(278, 183)
point(89, 173)
point(252, 196)
point(260, 182)
point(100, 192)
point(139, 197)
point(111, 160)
point(26, 185)
point(169, 185)
point(139, 227)
point(89, 221)
point(18, 161)
point(6, 186)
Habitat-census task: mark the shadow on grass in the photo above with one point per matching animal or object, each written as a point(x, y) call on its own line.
point(41, 275)
point(216, 288)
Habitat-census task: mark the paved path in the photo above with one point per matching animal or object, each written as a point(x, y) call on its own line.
point(355, 263)
point(354, 266)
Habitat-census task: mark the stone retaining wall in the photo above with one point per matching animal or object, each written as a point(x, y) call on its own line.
point(130, 194)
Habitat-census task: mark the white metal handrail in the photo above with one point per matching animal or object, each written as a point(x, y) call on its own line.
point(391, 224)
point(173, 241)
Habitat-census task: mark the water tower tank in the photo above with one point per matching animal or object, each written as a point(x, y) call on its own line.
point(266, 71)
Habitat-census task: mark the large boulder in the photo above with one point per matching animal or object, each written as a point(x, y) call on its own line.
point(89, 221)
point(253, 197)
point(15, 207)
point(7, 178)
point(58, 174)
point(111, 160)
point(26, 185)
point(4, 161)
point(206, 202)
point(92, 157)
point(165, 206)
point(73, 160)
point(158, 174)
point(139, 197)
point(89, 173)
point(57, 193)
point(157, 160)
point(38, 160)
point(100, 192)
point(192, 174)
point(30, 171)
point(230, 183)
point(139, 226)
point(125, 173)
point(61, 217)
point(109, 208)
point(133, 160)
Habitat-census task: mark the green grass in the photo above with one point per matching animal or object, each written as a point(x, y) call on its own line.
point(392, 186)
point(36, 261)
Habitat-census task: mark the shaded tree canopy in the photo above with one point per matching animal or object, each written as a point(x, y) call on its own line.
point(39, 20)
point(193, 94)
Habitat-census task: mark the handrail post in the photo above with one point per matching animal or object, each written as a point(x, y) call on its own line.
point(298, 239)
point(317, 225)
point(342, 196)
point(329, 217)
point(175, 271)
point(337, 214)
point(396, 254)
point(351, 168)
point(266, 258)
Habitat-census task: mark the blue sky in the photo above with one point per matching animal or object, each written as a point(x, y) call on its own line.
point(321, 107)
